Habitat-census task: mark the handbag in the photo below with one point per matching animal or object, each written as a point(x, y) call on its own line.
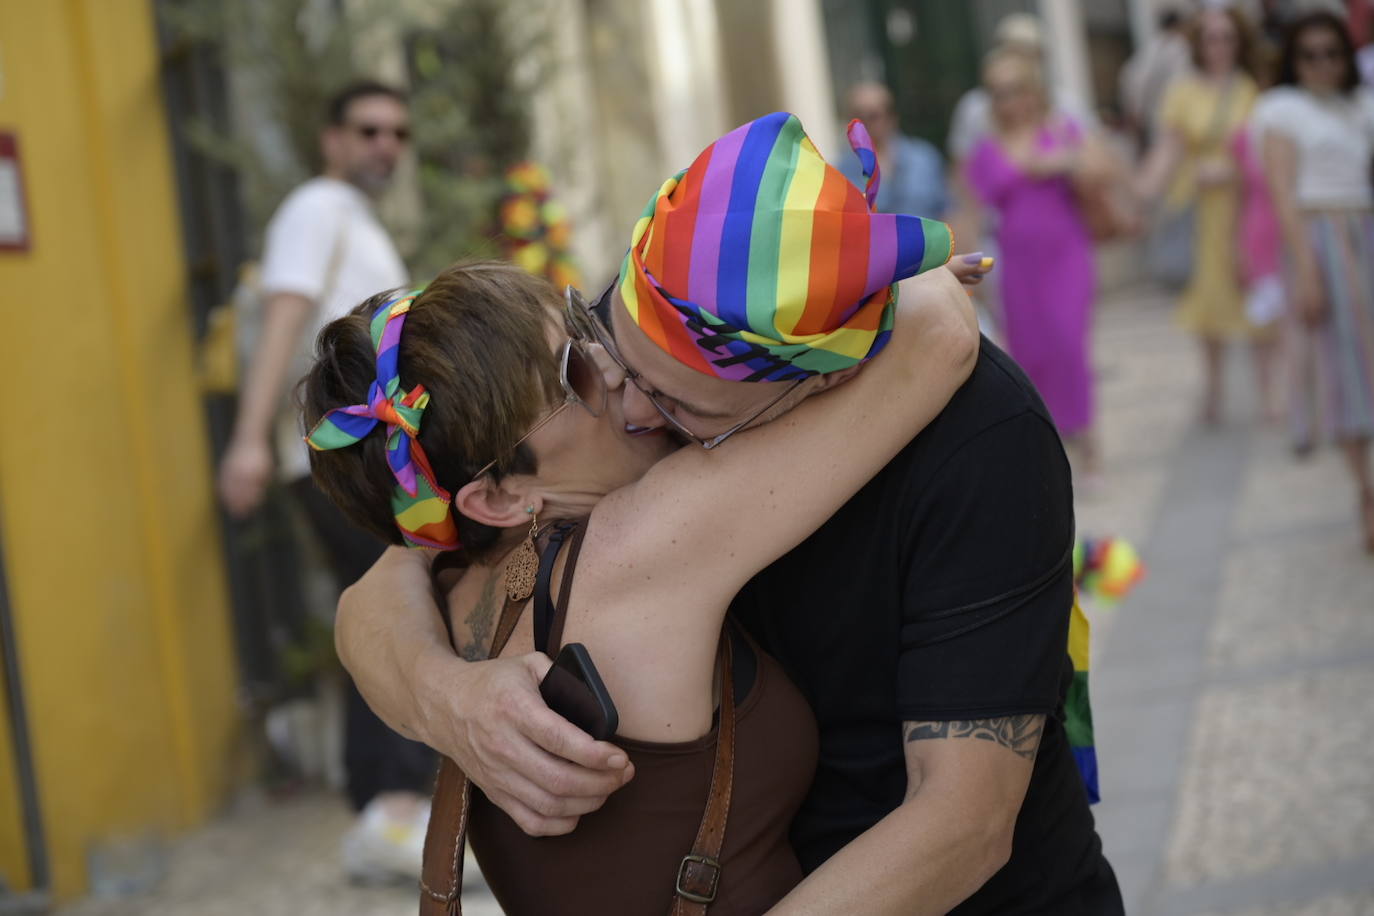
point(1097, 185)
point(698, 875)
point(1172, 245)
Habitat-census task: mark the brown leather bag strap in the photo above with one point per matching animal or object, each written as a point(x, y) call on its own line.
point(698, 875)
point(441, 871)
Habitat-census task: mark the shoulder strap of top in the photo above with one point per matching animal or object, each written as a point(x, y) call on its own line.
point(544, 610)
point(560, 615)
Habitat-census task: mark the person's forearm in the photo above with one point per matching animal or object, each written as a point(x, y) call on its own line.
point(924, 858)
point(1281, 180)
point(1294, 237)
point(284, 318)
point(1291, 225)
point(388, 628)
point(1159, 166)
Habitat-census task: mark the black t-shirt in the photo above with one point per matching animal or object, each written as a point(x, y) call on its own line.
point(942, 591)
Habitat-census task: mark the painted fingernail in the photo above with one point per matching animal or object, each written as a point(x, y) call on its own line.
point(975, 258)
point(986, 263)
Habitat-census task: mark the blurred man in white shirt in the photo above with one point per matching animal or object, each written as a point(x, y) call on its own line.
point(324, 253)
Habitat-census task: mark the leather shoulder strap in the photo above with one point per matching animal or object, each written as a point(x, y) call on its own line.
point(698, 875)
point(441, 872)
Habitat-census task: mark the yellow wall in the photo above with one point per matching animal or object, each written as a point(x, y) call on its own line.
point(109, 532)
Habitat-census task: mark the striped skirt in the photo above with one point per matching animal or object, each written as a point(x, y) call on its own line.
point(1334, 363)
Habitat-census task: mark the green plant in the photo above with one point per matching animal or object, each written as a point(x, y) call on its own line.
point(471, 124)
point(470, 111)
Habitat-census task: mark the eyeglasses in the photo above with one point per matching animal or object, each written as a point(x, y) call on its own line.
point(1319, 55)
point(373, 131)
point(589, 324)
point(582, 383)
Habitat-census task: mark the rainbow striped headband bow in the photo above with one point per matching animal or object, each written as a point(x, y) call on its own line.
point(761, 262)
point(420, 505)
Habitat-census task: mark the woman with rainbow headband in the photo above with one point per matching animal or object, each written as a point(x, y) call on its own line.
point(472, 417)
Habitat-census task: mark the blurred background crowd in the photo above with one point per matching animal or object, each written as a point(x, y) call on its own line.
point(188, 186)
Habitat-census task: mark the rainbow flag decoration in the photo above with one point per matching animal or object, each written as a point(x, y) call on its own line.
point(1105, 569)
point(1078, 714)
point(761, 262)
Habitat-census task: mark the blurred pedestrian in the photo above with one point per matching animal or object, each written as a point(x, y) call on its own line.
point(973, 119)
point(1317, 129)
point(1151, 70)
point(1024, 171)
point(324, 251)
point(913, 170)
point(970, 122)
point(1192, 157)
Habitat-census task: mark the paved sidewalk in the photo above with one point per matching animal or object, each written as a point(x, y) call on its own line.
point(1232, 690)
point(273, 858)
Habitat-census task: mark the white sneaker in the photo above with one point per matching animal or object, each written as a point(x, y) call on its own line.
point(383, 847)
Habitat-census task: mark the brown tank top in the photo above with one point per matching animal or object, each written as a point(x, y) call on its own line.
point(624, 858)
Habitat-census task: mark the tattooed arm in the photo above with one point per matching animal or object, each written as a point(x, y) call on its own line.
point(1018, 734)
point(965, 784)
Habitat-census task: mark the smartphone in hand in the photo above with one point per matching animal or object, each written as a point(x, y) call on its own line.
point(574, 690)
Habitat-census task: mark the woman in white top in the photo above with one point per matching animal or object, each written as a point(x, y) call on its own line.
point(1317, 133)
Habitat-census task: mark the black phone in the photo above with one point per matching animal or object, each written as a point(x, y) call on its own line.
point(574, 690)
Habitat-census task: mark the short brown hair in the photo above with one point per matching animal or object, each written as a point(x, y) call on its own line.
point(477, 339)
point(1318, 21)
point(1245, 38)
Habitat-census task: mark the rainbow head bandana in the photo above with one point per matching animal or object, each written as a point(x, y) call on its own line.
point(761, 262)
point(421, 506)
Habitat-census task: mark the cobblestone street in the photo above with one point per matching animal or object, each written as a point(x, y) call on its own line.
point(1231, 690)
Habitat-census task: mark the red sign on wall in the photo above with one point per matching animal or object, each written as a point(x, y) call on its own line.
point(14, 214)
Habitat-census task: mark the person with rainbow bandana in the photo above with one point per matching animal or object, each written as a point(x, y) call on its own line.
point(925, 622)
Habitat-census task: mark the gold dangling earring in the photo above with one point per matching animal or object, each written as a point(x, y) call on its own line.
point(524, 563)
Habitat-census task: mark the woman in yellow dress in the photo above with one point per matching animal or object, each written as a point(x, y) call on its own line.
point(1192, 158)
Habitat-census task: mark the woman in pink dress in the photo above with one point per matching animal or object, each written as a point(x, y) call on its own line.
point(1024, 171)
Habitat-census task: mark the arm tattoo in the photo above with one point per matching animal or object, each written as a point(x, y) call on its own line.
point(1019, 734)
point(479, 621)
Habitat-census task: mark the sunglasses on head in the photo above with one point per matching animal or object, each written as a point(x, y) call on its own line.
point(373, 131)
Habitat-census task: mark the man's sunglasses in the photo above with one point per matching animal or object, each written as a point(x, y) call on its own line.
point(593, 322)
point(373, 131)
point(582, 384)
